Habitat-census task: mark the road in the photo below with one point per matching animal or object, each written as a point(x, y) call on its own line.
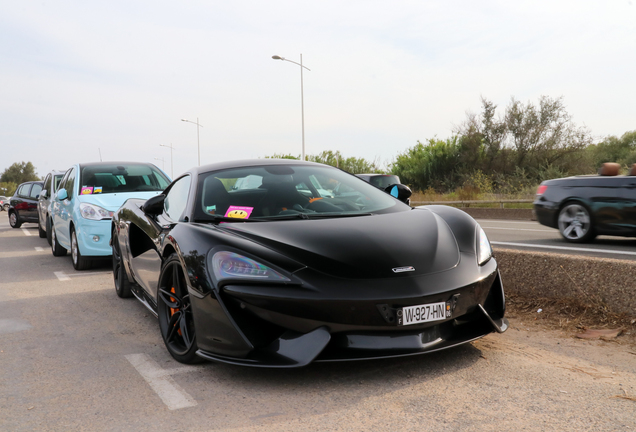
point(530, 235)
point(73, 356)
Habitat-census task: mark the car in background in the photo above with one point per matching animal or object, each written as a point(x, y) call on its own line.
point(269, 277)
point(87, 197)
point(4, 203)
point(582, 207)
point(381, 181)
point(51, 183)
point(24, 203)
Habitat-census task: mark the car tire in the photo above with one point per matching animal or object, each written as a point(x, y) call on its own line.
point(55, 246)
point(14, 219)
point(176, 321)
point(575, 223)
point(48, 230)
point(122, 284)
point(79, 262)
point(41, 232)
point(6, 207)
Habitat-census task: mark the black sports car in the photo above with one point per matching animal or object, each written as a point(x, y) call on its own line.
point(583, 207)
point(268, 276)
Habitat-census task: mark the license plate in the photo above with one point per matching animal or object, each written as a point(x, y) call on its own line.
point(422, 313)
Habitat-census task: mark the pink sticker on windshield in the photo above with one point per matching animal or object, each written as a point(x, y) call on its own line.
point(239, 212)
point(86, 190)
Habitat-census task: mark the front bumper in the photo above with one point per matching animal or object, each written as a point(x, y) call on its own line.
point(289, 327)
point(87, 230)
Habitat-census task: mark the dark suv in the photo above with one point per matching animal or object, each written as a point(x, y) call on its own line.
point(24, 203)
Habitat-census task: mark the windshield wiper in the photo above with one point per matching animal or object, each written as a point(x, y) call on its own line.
point(315, 216)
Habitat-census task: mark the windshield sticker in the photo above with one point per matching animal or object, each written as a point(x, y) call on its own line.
point(86, 190)
point(211, 209)
point(97, 189)
point(239, 212)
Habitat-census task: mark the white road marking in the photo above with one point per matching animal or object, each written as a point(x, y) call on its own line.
point(519, 229)
point(26, 232)
point(13, 325)
point(605, 251)
point(160, 380)
point(39, 249)
point(62, 276)
point(66, 277)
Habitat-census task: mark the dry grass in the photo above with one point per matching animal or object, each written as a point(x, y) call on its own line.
point(570, 314)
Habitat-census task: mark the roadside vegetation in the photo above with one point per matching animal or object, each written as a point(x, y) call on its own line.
point(498, 154)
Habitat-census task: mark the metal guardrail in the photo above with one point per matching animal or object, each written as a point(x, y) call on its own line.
point(469, 202)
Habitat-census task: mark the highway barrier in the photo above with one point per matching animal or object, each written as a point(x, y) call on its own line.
point(558, 276)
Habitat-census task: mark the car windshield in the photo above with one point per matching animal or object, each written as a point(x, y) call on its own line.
point(117, 178)
point(287, 191)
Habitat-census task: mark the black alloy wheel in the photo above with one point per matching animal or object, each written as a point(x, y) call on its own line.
point(175, 312)
point(79, 262)
point(575, 223)
point(14, 220)
point(55, 246)
point(122, 284)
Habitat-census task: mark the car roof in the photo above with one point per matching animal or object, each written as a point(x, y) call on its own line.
point(251, 162)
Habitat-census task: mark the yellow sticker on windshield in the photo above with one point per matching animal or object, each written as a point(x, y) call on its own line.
point(239, 212)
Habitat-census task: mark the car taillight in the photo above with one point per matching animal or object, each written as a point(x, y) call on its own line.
point(541, 189)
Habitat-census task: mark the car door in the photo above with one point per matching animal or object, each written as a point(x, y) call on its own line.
point(628, 198)
point(64, 210)
point(19, 201)
point(32, 202)
point(146, 261)
point(43, 201)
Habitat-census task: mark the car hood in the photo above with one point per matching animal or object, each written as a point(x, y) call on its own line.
point(370, 246)
point(112, 201)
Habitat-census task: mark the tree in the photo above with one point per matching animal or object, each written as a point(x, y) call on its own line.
point(19, 172)
point(434, 164)
point(614, 149)
point(7, 188)
point(352, 165)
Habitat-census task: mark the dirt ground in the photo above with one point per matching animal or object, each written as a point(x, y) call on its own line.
point(538, 376)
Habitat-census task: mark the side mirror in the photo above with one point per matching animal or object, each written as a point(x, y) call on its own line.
point(154, 206)
point(62, 195)
point(400, 191)
point(43, 194)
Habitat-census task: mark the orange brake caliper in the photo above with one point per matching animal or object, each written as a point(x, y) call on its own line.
point(173, 310)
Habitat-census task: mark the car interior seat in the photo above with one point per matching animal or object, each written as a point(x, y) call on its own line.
point(609, 169)
point(216, 199)
point(281, 195)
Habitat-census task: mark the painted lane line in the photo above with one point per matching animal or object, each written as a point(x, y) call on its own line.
point(26, 232)
point(518, 229)
point(14, 325)
point(62, 276)
point(66, 277)
point(160, 380)
point(39, 249)
point(605, 251)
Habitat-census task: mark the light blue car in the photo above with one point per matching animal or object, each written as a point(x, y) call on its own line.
point(87, 197)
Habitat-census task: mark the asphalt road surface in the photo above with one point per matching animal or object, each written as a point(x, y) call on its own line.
point(530, 235)
point(73, 356)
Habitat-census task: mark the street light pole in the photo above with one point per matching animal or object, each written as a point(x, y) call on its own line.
point(171, 166)
point(302, 99)
point(198, 126)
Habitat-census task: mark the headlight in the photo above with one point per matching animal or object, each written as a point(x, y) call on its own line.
point(484, 250)
point(93, 212)
point(230, 265)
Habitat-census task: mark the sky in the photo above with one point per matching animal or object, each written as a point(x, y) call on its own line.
point(80, 81)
